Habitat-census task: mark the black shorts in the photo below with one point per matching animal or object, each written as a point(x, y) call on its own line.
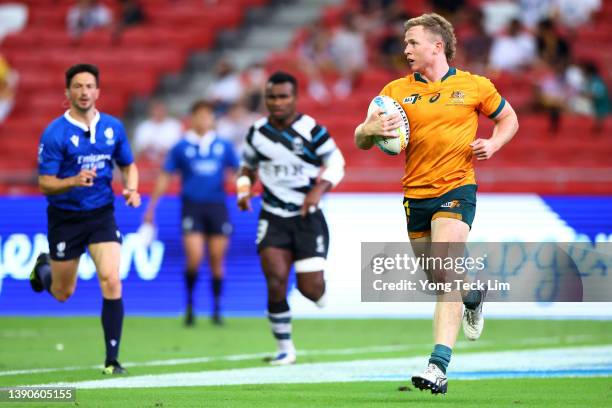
point(70, 232)
point(306, 237)
point(459, 203)
point(206, 218)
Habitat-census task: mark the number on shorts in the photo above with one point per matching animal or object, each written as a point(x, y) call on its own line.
point(262, 228)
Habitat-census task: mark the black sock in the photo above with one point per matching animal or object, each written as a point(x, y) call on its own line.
point(44, 272)
point(278, 307)
point(217, 284)
point(112, 322)
point(190, 281)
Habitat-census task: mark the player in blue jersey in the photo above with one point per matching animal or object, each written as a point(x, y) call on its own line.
point(202, 159)
point(75, 166)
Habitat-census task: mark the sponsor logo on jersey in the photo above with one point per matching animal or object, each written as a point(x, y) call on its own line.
point(75, 140)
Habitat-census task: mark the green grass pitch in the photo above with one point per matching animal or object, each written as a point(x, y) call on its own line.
point(72, 348)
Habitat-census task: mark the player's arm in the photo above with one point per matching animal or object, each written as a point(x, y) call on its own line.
point(161, 185)
point(51, 185)
point(244, 183)
point(130, 183)
point(330, 177)
point(506, 126)
point(376, 124)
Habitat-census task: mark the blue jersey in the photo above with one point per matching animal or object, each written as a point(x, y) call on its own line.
point(202, 162)
point(68, 146)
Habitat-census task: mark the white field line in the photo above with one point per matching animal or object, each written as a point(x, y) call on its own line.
point(325, 352)
point(566, 362)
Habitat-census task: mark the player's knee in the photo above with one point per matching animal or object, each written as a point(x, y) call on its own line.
point(62, 294)
point(111, 285)
point(312, 289)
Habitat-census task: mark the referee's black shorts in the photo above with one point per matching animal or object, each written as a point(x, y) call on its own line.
point(70, 232)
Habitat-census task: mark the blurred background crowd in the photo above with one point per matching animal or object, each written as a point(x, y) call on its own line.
point(552, 59)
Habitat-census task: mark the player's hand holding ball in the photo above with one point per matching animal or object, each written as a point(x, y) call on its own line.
point(387, 120)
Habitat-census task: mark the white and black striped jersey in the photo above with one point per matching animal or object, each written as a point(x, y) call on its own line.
point(289, 161)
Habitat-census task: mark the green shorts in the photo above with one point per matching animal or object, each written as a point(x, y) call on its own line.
point(459, 203)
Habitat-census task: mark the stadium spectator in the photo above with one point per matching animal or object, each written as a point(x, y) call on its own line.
point(87, 15)
point(597, 91)
point(448, 8)
point(552, 94)
point(253, 80)
point(8, 84)
point(296, 161)
point(553, 49)
point(316, 59)
point(235, 124)
point(157, 134)
point(75, 174)
point(476, 41)
point(130, 14)
point(391, 44)
point(572, 13)
point(512, 50)
point(534, 11)
point(226, 88)
point(349, 53)
point(202, 159)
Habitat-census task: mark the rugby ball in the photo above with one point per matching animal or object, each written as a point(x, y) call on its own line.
point(389, 106)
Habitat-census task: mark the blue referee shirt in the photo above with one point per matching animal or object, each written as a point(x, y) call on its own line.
point(202, 161)
point(67, 146)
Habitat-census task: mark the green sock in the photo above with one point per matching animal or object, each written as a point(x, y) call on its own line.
point(441, 356)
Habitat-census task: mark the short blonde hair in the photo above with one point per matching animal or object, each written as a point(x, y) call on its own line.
point(436, 24)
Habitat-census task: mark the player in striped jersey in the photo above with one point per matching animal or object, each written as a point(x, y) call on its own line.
point(296, 161)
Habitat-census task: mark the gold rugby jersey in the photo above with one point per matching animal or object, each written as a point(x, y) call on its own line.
point(443, 119)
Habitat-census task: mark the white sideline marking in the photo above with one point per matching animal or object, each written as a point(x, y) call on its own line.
point(235, 357)
point(566, 361)
point(328, 352)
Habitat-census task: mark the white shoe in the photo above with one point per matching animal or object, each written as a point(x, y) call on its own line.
point(431, 379)
point(473, 320)
point(283, 358)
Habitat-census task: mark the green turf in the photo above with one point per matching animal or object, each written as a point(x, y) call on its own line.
point(30, 343)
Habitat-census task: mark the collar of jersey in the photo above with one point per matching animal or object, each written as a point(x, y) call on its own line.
point(451, 71)
point(203, 142)
point(82, 126)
